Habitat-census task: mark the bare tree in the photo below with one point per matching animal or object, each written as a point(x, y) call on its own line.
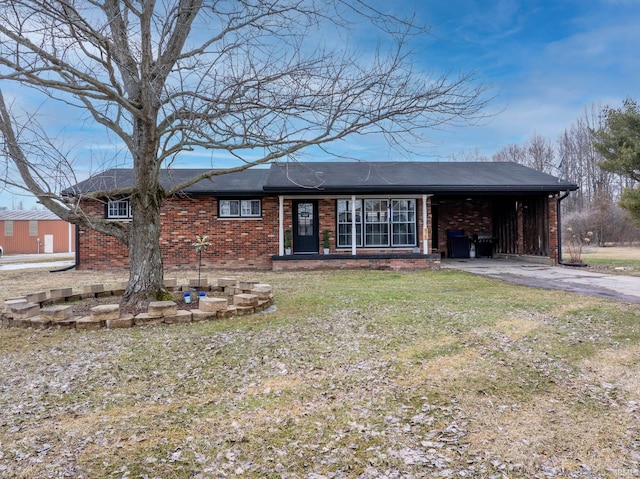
point(537, 153)
point(239, 77)
point(511, 153)
point(474, 155)
point(541, 154)
point(580, 162)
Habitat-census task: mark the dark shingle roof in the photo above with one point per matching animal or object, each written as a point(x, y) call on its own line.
point(350, 178)
point(411, 177)
point(247, 182)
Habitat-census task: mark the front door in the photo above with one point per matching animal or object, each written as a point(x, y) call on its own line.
point(306, 236)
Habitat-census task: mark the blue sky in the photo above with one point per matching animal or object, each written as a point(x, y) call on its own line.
point(545, 61)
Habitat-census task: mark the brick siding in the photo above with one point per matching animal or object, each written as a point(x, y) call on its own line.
point(249, 243)
point(459, 214)
point(246, 243)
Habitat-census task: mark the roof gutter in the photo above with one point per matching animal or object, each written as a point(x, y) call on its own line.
point(501, 190)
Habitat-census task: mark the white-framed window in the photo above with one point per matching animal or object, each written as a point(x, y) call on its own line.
point(8, 227)
point(119, 209)
point(344, 223)
point(239, 208)
point(403, 222)
point(385, 222)
point(376, 222)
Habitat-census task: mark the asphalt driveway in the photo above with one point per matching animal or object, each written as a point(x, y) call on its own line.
point(44, 260)
point(567, 278)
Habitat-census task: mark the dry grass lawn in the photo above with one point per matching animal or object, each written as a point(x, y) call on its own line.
point(356, 374)
point(612, 252)
point(614, 259)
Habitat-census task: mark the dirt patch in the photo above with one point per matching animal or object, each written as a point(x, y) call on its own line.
point(83, 308)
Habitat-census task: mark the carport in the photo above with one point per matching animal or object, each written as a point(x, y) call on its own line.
point(497, 225)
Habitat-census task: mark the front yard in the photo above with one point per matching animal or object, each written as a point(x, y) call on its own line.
point(356, 374)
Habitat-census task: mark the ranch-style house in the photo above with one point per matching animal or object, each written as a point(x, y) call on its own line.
point(396, 215)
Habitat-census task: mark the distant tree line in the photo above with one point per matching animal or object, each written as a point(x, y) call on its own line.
point(600, 152)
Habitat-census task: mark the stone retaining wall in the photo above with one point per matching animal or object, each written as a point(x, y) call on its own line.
point(225, 298)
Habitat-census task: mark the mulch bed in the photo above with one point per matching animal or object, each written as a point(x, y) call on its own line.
point(83, 308)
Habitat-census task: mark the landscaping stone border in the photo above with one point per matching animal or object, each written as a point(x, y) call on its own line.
point(226, 298)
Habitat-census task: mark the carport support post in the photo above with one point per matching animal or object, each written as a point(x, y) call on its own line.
point(353, 223)
point(425, 227)
point(280, 225)
point(520, 228)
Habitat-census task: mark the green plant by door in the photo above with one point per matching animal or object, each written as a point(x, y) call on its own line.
point(287, 240)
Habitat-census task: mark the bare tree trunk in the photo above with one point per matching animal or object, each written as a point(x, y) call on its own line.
point(146, 271)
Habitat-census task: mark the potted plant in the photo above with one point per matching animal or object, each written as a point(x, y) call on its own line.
point(287, 242)
point(325, 241)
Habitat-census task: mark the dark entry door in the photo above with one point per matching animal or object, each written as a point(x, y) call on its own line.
point(306, 237)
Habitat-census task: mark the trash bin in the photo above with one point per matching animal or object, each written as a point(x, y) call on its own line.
point(458, 244)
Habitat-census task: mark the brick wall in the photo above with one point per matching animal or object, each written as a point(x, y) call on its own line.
point(96, 250)
point(327, 221)
point(250, 243)
point(473, 216)
point(360, 262)
point(245, 243)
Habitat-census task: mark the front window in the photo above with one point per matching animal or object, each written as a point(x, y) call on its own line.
point(386, 222)
point(120, 209)
point(345, 210)
point(240, 208)
point(376, 216)
point(403, 222)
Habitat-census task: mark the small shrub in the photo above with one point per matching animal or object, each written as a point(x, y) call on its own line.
point(574, 243)
point(163, 295)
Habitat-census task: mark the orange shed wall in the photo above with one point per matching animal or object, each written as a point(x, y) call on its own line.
point(22, 243)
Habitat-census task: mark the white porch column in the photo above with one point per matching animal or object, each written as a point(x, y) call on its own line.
point(281, 225)
point(425, 226)
point(353, 225)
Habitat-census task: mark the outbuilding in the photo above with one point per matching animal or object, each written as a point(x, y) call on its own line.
point(35, 232)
